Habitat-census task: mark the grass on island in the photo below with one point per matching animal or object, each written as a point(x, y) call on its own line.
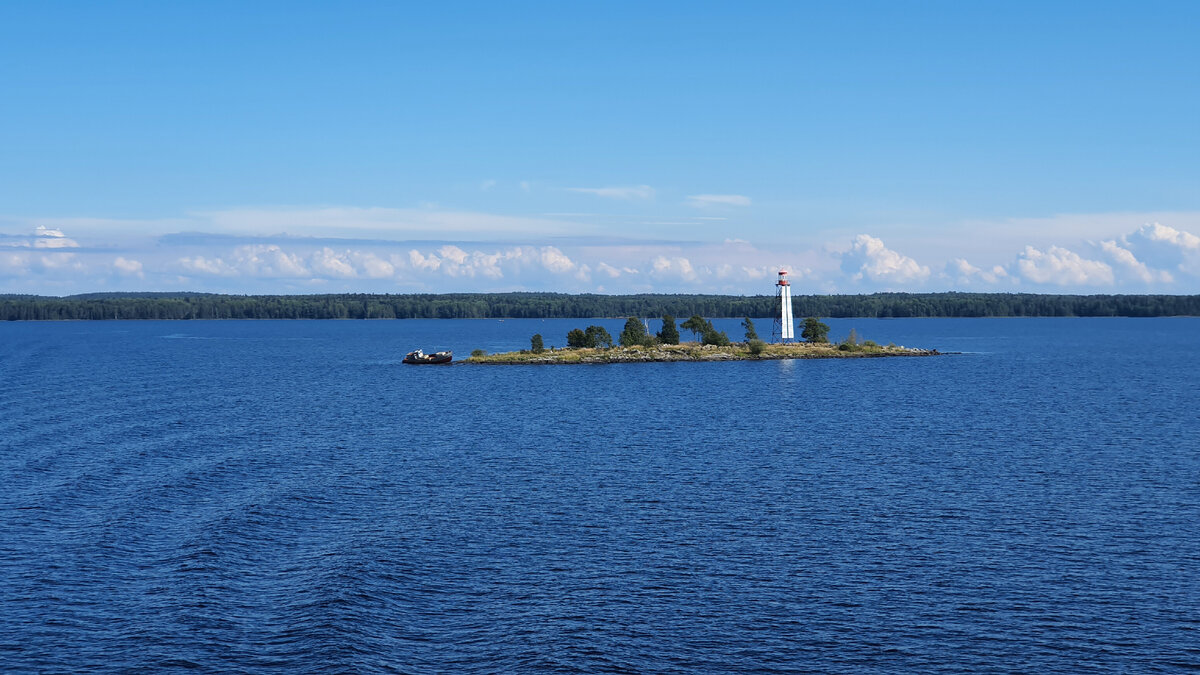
point(693, 351)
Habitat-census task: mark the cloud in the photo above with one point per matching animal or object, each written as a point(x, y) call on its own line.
point(555, 260)
point(868, 258)
point(705, 201)
point(964, 273)
point(374, 267)
point(328, 263)
point(1165, 248)
point(1062, 267)
point(242, 250)
point(341, 221)
point(45, 237)
point(1126, 261)
point(424, 262)
point(487, 184)
point(628, 192)
point(128, 267)
point(674, 267)
point(42, 237)
point(260, 261)
point(13, 264)
point(1177, 238)
point(605, 268)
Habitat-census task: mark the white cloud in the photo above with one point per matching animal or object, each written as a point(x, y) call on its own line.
point(1125, 260)
point(45, 237)
point(487, 184)
point(453, 255)
point(42, 237)
point(627, 192)
point(704, 201)
point(868, 258)
point(1165, 248)
point(255, 261)
point(964, 273)
point(374, 267)
point(201, 265)
point(13, 264)
point(46, 259)
point(423, 262)
point(128, 267)
point(1062, 267)
point(268, 260)
point(58, 261)
point(426, 222)
point(1177, 238)
point(328, 263)
point(674, 267)
point(605, 268)
point(555, 260)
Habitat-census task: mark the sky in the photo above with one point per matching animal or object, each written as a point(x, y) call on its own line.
point(320, 147)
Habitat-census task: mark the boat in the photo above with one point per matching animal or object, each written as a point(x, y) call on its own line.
point(419, 357)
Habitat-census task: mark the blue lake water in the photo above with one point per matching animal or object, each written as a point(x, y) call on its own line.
point(253, 496)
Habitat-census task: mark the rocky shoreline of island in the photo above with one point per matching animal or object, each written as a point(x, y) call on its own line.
point(696, 352)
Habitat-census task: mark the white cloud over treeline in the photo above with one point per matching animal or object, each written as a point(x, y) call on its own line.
point(48, 259)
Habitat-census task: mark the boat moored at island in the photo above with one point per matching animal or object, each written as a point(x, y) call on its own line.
point(418, 357)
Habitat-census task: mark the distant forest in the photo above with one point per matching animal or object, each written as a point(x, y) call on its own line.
point(109, 306)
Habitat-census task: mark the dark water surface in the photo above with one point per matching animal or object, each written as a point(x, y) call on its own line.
point(248, 496)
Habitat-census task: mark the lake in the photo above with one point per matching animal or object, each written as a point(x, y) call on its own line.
point(273, 495)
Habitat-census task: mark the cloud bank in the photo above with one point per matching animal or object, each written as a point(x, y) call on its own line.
point(48, 258)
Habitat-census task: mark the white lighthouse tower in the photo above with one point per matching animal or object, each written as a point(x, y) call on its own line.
point(784, 327)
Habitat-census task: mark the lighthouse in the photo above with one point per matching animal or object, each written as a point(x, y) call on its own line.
point(784, 327)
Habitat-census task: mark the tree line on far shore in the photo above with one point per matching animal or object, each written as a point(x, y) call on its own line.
point(108, 306)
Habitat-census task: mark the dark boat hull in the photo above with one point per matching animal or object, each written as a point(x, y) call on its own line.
point(429, 359)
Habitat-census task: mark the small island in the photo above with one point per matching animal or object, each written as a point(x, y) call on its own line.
point(636, 345)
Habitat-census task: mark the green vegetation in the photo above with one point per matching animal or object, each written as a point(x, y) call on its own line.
point(751, 334)
point(475, 353)
point(597, 336)
point(669, 335)
point(536, 345)
point(561, 305)
point(815, 331)
point(712, 336)
point(594, 337)
point(635, 334)
point(703, 329)
point(695, 324)
point(756, 346)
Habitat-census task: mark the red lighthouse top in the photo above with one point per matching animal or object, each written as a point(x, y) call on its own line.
point(783, 281)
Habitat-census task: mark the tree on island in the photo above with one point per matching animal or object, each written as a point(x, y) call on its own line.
point(814, 330)
point(576, 339)
point(597, 336)
point(695, 324)
point(536, 345)
point(712, 336)
point(751, 334)
point(635, 334)
point(669, 335)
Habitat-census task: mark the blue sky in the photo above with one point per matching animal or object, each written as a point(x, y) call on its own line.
point(695, 147)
